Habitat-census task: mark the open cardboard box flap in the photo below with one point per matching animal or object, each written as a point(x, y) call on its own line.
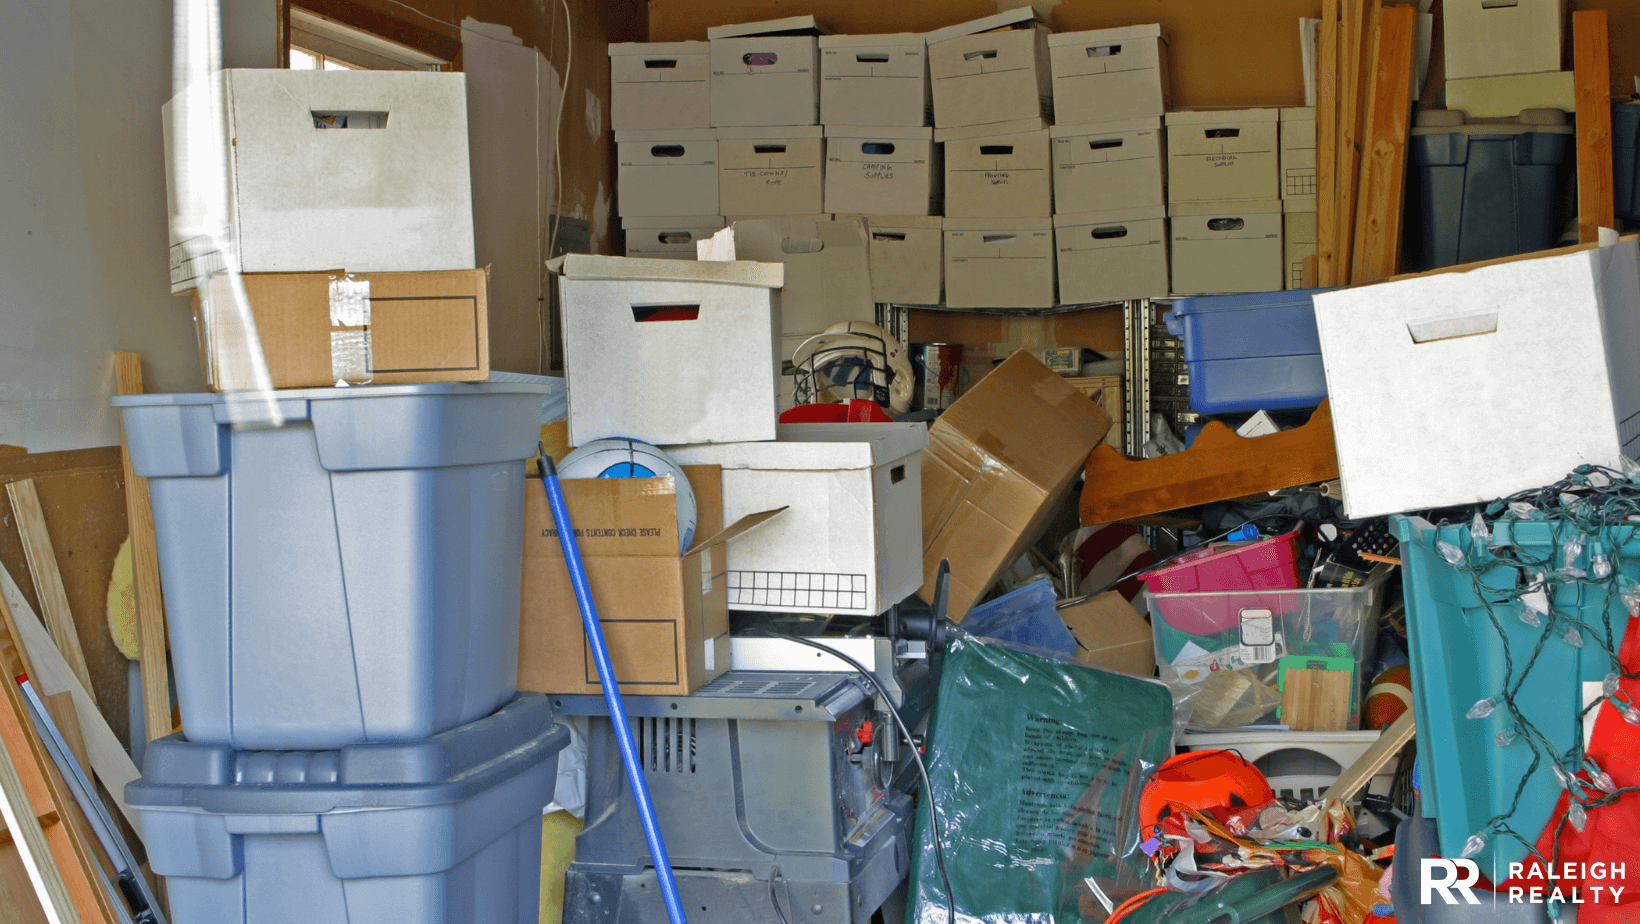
point(741, 526)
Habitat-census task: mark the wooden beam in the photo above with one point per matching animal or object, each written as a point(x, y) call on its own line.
point(1390, 742)
point(139, 518)
point(48, 581)
point(1591, 60)
point(1364, 50)
point(48, 880)
point(1384, 159)
point(1326, 142)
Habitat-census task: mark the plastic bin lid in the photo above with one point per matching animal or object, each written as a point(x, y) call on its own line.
point(337, 394)
point(445, 769)
point(1447, 121)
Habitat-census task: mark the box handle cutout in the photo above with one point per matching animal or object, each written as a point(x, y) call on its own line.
point(871, 57)
point(666, 150)
point(876, 147)
point(1104, 143)
point(760, 58)
point(1104, 51)
point(896, 474)
point(660, 62)
point(674, 237)
point(979, 54)
point(1000, 238)
point(769, 148)
point(644, 313)
point(1223, 133)
point(996, 149)
point(1225, 224)
point(802, 245)
point(1110, 232)
point(1498, 4)
point(1452, 328)
point(888, 235)
point(350, 119)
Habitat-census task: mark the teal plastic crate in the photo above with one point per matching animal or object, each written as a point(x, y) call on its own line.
point(1460, 657)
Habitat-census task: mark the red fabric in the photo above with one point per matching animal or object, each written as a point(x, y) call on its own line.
point(857, 410)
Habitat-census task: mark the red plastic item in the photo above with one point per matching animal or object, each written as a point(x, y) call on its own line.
point(1267, 564)
point(858, 410)
point(1202, 780)
point(865, 732)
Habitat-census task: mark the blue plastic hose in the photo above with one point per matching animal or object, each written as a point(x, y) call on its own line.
point(612, 691)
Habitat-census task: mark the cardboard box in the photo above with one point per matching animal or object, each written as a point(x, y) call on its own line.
point(1223, 154)
point(669, 238)
point(828, 275)
point(1112, 256)
point(766, 73)
point(1110, 75)
point(998, 463)
point(701, 371)
point(318, 329)
point(998, 171)
point(1299, 238)
point(883, 170)
point(1111, 634)
point(999, 263)
point(1298, 152)
point(363, 170)
point(1505, 97)
point(849, 540)
point(666, 174)
point(657, 86)
point(905, 259)
point(665, 617)
point(991, 70)
point(1110, 167)
point(1463, 385)
point(1221, 247)
point(1485, 38)
point(1105, 391)
point(771, 171)
point(874, 80)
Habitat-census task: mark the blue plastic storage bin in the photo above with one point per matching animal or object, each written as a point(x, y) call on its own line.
point(1254, 352)
point(1026, 616)
point(352, 576)
point(442, 831)
point(1459, 658)
point(1626, 159)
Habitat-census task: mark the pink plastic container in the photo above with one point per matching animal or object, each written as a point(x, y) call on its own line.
point(1268, 564)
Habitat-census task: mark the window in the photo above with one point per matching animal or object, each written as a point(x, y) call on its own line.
point(301, 59)
point(321, 43)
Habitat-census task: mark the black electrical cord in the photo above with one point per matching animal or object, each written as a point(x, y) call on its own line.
point(911, 744)
point(774, 898)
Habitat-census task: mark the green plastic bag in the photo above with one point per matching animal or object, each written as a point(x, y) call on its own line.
point(1035, 767)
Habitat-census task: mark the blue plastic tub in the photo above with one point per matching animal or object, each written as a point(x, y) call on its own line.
point(1253, 352)
point(1626, 159)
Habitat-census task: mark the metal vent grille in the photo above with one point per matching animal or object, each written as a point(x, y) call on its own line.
point(666, 745)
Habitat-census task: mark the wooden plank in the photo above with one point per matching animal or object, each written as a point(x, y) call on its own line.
point(60, 706)
point(48, 581)
point(139, 518)
point(1591, 57)
point(1377, 248)
point(18, 903)
point(1362, 50)
point(1389, 743)
point(1326, 142)
point(49, 882)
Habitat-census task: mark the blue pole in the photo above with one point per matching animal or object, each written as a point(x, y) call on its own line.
point(612, 691)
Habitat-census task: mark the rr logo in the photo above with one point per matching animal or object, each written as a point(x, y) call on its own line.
point(1448, 881)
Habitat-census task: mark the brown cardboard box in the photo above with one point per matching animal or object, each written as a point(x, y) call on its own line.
point(828, 275)
point(1485, 38)
point(1298, 152)
point(1108, 167)
point(1223, 247)
point(905, 258)
point(1106, 391)
point(1112, 256)
point(1110, 75)
point(874, 79)
point(766, 73)
point(998, 171)
point(669, 238)
point(999, 263)
point(395, 329)
point(881, 169)
point(771, 171)
point(1298, 237)
point(665, 174)
point(1505, 96)
point(998, 463)
point(659, 86)
point(991, 70)
point(667, 629)
point(1111, 634)
point(1226, 154)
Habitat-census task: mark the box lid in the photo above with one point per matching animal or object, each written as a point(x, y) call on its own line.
point(1225, 116)
point(870, 41)
point(990, 130)
point(1298, 205)
point(1102, 129)
point(686, 222)
point(869, 132)
point(1226, 207)
point(1298, 114)
point(1142, 213)
point(1023, 18)
point(637, 269)
point(657, 49)
point(814, 448)
point(669, 134)
point(1094, 37)
point(770, 132)
point(999, 224)
point(791, 25)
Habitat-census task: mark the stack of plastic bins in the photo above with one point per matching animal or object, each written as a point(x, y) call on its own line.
point(1267, 564)
point(1252, 352)
point(447, 829)
point(1626, 158)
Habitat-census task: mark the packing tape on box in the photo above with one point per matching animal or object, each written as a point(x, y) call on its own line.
point(349, 302)
point(350, 349)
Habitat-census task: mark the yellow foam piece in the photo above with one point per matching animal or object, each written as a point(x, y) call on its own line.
point(558, 831)
point(122, 603)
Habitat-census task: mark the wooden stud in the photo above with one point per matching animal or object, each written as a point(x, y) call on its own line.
point(1362, 50)
point(1326, 135)
point(48, 581)
point(30, 839)
point(1591, 57)
point(1390, 742)
point(1377, 247)
point(139, 515)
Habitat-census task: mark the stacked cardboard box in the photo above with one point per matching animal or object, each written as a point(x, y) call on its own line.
point(1298, 191)
point(1224, 200)
point(1505, 58)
